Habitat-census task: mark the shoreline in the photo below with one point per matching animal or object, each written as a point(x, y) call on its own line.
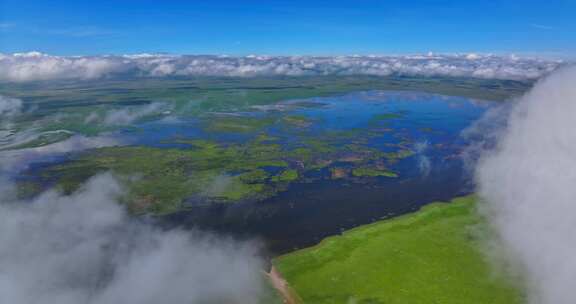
point(288, 295)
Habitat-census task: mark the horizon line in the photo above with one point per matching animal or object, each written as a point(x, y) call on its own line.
point(522, 54)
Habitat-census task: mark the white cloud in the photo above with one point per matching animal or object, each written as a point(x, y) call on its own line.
point(528, 184)
point(542, 26)
point(36, 66)
point(6, 26)
point(31, 66)
point(18, 160)
point(84, 249)
point(9, 106)
point(129, 115)
point(424, 162)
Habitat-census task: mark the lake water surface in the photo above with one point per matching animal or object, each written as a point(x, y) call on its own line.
point(308, 212)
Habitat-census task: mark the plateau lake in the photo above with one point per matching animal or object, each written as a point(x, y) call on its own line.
point(311, 209)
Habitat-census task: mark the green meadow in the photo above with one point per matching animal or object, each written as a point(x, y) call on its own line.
point(431, 256)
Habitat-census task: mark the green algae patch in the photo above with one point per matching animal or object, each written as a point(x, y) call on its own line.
point(430, 256)
point(400, 154)
point(286, 176)
point(237, 124)
point(299, 121)
point(372, 172)
point(385, 116)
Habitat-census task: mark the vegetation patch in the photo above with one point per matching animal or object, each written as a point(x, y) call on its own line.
point(385, 116)
point(430, 256)
point(286, 176)
point(237, 124)
point(43, 139)
point(372, 172)
point(299, 121)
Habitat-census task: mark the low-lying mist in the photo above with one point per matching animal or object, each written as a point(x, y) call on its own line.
point(85, 249)
point(528, 186)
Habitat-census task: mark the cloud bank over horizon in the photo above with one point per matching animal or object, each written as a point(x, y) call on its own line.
point(35, 66)
point(527, 184)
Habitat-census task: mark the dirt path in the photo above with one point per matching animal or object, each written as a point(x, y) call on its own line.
point(282, 286)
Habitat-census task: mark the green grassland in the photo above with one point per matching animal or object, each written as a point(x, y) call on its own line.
point(430, 256)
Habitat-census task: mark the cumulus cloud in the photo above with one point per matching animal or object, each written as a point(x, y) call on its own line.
point(20, 67)
point(527, 182)
point(84, 249)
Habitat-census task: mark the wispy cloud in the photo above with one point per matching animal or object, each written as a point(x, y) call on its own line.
point(6, 26)
point(542, 26)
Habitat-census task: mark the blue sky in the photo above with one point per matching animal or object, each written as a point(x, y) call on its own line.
point(296, 27)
